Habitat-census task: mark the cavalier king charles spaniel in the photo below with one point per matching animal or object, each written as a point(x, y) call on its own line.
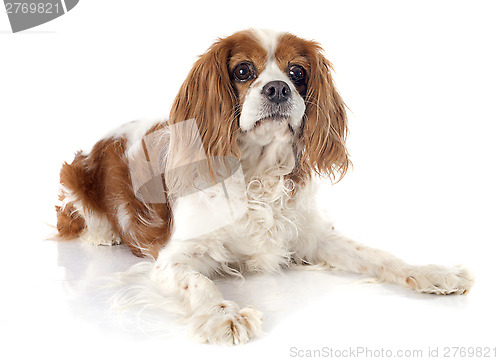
point(226, 185)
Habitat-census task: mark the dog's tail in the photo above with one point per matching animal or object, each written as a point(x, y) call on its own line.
point(70, 220)
point(69, 223)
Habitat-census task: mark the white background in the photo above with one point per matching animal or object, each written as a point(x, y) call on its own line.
point(422, 82)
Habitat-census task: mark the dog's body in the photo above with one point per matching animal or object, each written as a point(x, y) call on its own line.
point(268, 101)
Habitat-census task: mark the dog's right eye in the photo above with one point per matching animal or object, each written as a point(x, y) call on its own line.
point(243, 72)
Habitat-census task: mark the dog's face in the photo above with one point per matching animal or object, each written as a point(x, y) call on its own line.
point(271, 85)
point(260, 87)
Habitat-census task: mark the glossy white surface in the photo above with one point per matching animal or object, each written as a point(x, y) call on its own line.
point(57, 303)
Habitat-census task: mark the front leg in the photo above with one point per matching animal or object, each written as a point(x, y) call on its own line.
point(182, 271)
point(342, 253)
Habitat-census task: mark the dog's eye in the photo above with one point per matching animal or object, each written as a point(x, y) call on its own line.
point(243, 72)
point(297, 74)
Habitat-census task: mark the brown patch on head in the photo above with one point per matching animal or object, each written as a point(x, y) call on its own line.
point(293, 51)
point(325, 123)
point(248, 50)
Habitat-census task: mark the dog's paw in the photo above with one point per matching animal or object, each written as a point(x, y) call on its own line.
point(226, 324)
point(440, 280)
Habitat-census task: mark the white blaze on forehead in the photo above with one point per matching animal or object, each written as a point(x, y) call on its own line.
point(268, 39)
point(273, 72)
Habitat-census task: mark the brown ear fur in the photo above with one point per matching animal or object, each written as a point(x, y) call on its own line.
point(325, 125)
point(208, 97)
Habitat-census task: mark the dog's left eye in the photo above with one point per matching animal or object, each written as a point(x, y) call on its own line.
point(297, 74)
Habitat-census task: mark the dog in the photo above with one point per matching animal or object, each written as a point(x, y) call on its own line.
point(227, 184)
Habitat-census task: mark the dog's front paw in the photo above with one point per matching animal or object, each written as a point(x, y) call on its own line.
point(225, 323)
point(440, 280)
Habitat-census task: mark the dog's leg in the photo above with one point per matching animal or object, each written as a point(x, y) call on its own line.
point(183, 270)
point(342, 253)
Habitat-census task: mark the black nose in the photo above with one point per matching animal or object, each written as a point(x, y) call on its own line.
point(276, 91)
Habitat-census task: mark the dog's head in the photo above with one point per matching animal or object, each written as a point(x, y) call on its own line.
point(259, 91)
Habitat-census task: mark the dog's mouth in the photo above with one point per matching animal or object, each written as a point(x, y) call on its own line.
point(274, 118)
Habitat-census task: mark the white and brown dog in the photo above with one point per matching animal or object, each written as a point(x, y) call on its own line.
point(258, 116)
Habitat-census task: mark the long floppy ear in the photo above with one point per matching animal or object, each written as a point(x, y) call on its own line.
point(208, 97)
point(325, 125)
